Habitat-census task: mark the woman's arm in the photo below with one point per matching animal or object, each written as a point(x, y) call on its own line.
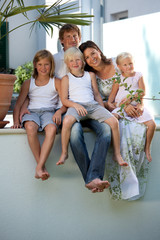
point(96, 93)
point(111, 105)
point(21, 98)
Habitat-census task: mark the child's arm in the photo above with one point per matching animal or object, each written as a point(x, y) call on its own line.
point(21, 98)
point(96, 93)
point(64, 97)
point(139, 106)
point(57, 117)
point(24, 109)
point(141, 86)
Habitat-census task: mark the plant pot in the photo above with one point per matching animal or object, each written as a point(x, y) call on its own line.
point(6, 90)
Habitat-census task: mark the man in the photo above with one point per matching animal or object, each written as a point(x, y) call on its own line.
point(92, 169)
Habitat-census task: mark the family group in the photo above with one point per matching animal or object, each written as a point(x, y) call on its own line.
point(78, 87)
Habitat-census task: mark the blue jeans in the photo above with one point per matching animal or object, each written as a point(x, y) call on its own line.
point(90, 168)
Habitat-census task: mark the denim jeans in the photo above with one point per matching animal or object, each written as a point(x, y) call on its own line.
point(90, 168)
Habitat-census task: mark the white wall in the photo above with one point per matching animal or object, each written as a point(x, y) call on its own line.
point(139, 36)
point(22, 46)
point(135, 8)
point(61, 207)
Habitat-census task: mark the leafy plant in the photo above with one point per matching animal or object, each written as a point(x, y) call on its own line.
point(48, 15)
point(132, 95)
point(22, 73)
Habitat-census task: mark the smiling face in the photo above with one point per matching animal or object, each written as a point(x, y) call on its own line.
point(43, 67)
point(75, 64)
point(70, 39)
point(126, 65)
point(92, 57)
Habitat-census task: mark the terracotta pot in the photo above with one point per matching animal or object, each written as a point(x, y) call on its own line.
point(6, 90)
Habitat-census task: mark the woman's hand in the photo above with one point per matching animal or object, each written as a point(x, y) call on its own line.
point(125, 101)
point(110, 106)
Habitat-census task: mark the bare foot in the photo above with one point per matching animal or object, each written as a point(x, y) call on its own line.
point(148, 156)
point(97, 185)
point(120, 161)
point(94, 190)
point(62, 159)
point(41, 173)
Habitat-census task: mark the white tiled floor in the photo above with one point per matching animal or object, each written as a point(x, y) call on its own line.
point(9, 117)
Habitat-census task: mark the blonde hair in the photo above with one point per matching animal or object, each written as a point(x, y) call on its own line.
point(72, 53)
point(122, 56)
point(41, 55)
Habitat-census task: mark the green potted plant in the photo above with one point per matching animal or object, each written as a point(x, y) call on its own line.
point(48, 16)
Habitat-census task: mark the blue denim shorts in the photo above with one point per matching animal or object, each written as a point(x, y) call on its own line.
point(42, 117)
point(95, 111)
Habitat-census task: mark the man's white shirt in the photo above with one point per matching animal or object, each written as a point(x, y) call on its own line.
point(60, 66)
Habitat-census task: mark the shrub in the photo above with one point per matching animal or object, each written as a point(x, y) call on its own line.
point(22, 73)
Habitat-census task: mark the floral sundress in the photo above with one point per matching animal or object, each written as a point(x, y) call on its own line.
point(127, 183)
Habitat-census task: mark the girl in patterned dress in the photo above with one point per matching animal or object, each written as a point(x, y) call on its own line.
point(131, 82)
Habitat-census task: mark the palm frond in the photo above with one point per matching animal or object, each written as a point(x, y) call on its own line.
point(49, 15)
point(18, 10)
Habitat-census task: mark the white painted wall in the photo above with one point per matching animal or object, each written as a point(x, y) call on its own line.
point(135, 8)
point(141, 37)
point(61, 207)
point(22, 46)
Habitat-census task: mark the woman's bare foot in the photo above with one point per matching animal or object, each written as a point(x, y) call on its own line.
point(119, 160)
point(62, 159)
point(97, 185)
point(148, 155)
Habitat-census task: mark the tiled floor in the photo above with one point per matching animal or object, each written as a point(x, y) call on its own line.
point(9, 117)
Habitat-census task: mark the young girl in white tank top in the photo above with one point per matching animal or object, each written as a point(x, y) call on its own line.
point(43, 91)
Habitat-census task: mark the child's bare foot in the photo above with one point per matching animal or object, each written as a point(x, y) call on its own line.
point(62, 159)
point(97, 185)
point(41, 173)
point(120, 161)
point(148, 156)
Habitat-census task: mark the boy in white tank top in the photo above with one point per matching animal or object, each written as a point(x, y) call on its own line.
point(80, 94)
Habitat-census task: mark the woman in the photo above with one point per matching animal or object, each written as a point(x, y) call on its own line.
point(132, 134)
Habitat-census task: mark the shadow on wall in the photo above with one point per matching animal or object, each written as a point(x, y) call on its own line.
point(140, 37)
point(153, 74)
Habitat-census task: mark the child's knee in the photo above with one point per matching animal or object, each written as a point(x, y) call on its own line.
point(68, 121)
point(31, 127)
point(151, 125)
point(112, 122)
point(51, 129)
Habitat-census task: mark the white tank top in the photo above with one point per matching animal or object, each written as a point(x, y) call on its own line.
point(43, 96)
point(80, 88)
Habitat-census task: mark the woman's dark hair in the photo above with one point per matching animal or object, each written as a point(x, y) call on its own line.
point(90, 44)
